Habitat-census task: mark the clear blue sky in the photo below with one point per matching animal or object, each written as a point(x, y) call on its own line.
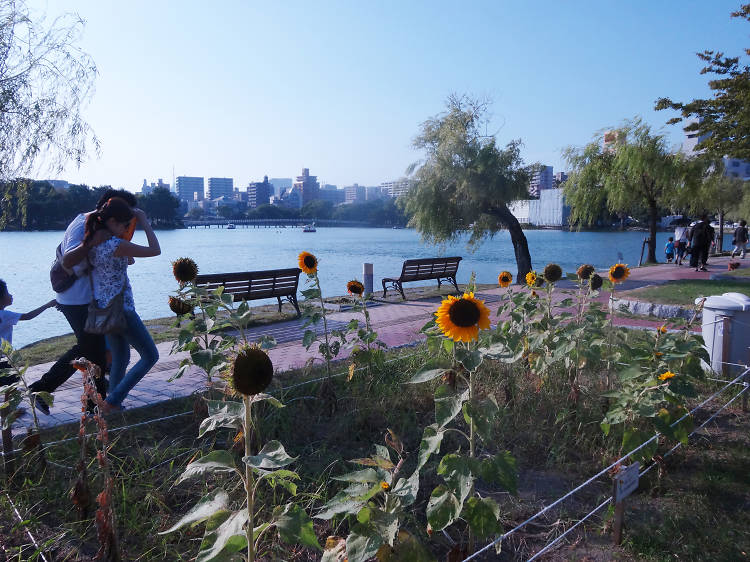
point(242, 89)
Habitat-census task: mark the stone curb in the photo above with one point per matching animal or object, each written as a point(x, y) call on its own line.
point(643, 308)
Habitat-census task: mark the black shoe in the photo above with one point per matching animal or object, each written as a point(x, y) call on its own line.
point(703, 269)
point(41, 405)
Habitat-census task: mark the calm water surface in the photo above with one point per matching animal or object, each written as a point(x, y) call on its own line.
point(25, 258)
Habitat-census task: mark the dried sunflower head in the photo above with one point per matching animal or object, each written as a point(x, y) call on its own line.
point(184, 270)
point(552, 273)
point(252, 371)
point(179, 306)
point(355, 287)
point(585, 271)
point(595, 281)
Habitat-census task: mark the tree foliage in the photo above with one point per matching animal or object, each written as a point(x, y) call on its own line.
point(45, 79)
point(465, 181)
point(636, 172)
point(724, 118)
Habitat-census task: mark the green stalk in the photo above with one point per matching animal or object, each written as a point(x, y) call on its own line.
point(249, 483)
point(325, 326)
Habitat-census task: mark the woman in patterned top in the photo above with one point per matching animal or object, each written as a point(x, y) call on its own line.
point(109, 256)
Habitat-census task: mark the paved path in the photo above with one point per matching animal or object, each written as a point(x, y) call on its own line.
point(397, 324)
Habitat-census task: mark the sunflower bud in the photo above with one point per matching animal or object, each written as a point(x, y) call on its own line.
point(252, 371)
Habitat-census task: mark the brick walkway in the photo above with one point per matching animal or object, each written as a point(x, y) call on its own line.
point(397, 324)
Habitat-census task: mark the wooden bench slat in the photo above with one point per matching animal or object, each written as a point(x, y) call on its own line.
point(422, 269)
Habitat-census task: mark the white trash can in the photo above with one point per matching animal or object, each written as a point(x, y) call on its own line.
point(726, 331)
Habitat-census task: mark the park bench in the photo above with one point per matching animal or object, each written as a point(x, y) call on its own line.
point(254, 285)
point(423, 269)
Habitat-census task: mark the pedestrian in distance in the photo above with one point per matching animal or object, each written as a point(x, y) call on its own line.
point(109, 279)
point(740, 239)
point(8, 319)
point(680, 244)
point(700, 241)
point(74, 301)
point(669, 249)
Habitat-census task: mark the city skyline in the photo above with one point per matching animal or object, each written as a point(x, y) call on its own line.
point(254, 90)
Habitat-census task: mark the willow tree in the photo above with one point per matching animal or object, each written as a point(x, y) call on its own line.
point(631, 172)
point(465, 181)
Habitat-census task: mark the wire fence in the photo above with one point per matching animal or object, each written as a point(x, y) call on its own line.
point(537, 515)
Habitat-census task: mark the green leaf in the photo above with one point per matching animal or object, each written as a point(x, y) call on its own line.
point(501, 470)
point(448, 403)
point(270, 457)
point(362, 544)
point(224, 535)
point(443, 508)
point(633, 438)
point(383, 523)
point(424, 375)
point(483, 414)
point(482, 515)
point(407, 489)
point(368, 475)
point(215, 461)
point(295, 526)
point(308, 338)
point(207, 506)
point(263, 397)
point(469, 359)
point(432, 437)
point(448, 345)
point(455, 471)
point(406, 549)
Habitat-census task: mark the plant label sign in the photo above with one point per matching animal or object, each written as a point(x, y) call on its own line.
point(626, 481)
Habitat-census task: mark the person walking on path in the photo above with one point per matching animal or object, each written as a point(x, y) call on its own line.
point(680, 244)
point(74, 304)
point(702, 236)
point(740, 239)
point(669, 250)
point(109, 277)
point(8, 319)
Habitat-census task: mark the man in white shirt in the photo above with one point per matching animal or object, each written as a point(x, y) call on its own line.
point(74, 304)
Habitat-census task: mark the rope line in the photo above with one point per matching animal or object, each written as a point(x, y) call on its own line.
point(25, 528)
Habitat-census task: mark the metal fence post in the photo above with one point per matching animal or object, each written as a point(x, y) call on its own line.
point(367, 277)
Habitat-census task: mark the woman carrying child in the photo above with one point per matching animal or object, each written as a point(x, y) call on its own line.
point(109, 278)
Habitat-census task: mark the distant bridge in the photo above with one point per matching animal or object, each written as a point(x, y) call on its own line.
point(269, 223)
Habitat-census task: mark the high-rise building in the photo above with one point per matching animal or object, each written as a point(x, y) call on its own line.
point(335, 196)
point(396, 188)
point(560, 178)
point(541, 180)
point(220, 187)
point(280, 184)
point(148, 188)
point(733, 167)
point(259, 193)
point(308, 187)
point(355, 194)
point(189, 188)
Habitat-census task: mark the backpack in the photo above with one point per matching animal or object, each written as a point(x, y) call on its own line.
point(61, 279)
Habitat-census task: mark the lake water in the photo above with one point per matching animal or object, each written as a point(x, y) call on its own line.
point(25, 258)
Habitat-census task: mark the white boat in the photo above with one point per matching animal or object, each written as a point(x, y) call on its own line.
point(231, 226)
point(309, 228)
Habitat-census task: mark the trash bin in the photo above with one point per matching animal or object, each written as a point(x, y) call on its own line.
point(725, 326)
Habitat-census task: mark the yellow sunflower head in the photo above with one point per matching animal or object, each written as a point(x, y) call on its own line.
point(505, 279)
point(385, 485)
point(662, 329)
point(308, 263)
point(533, 280)
point(461, 318)
point(179, 306)
point(355, 287)
point(252, 371)
point(618, 273)
point(666, 376)
point(595, 281)
point(552, 273)
point(184, 270)
point(585, 271)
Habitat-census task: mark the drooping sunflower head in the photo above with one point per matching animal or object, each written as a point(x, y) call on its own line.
point(505, 279)
point(252, 371)
point(666, 376)
point(179, 306)
point(533, 280)
point(461, 318)
point(585, 271)
point(662, 329)
point(552, 273)
point(184, 270)
point(595, 282)
point(618, 273)
point(355, 287)
point(308, 263)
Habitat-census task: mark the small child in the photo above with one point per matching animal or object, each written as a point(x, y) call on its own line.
point(9, 319)
point(669, 249)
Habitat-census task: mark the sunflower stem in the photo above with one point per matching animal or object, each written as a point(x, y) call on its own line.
point(472, 451)
point(249, 484)
point(327, 353)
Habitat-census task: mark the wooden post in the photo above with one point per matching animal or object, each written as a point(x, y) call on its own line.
point(643, 247)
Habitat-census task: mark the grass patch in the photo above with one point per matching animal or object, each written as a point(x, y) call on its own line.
point(742, 273)
point(685, 292)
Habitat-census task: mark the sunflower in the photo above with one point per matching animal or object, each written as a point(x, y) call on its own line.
point(585, 271)
point(184, 270)
point(505, 279)
point(666, 376)
point(618, 273)
point(552, 273)
point(308, 263)
point(662, 329)
point(595, 281)
point(533, 279)
point(385, 485)
point(534, 294)
point(179, 306)
point(461, 318)
point(355, 287)
point(252, 371)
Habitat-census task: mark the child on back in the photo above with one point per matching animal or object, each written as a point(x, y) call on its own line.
point(669, 249)
point(8, 319)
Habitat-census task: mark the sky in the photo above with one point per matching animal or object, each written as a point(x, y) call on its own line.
point(245, 89)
